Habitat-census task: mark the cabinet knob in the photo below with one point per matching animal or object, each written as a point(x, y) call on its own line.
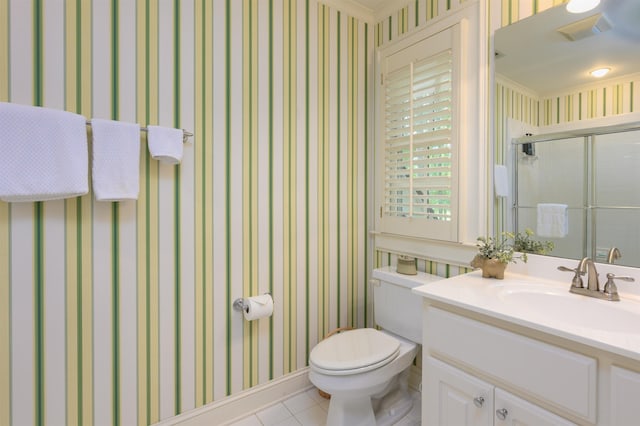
point(502, 413)
point(478, 401)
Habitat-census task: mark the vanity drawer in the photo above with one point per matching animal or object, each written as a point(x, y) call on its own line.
point(561, 378)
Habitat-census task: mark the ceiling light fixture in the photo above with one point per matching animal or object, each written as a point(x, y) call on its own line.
point(580, 6)
point(600, 72)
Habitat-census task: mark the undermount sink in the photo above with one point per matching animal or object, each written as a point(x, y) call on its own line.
point(553, 303)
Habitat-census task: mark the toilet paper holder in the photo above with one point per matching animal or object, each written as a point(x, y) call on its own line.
point(240, 305)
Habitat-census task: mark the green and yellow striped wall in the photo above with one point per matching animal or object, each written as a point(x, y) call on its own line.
point(595, 101)
point(121, 313)
point(418, 13)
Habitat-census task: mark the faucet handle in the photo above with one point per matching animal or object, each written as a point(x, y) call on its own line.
point(577, 278)
point(615, 277)
point(610, 287)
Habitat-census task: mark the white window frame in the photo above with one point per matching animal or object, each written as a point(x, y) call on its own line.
point(474, 206)
point(392, 59)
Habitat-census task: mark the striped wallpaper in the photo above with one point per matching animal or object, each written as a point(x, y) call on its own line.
point(417, 13)
point(120, 313)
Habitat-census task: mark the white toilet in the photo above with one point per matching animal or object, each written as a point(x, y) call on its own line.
point(366, 370)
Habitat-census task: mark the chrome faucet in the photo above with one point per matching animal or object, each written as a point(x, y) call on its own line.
point(587, 266)
point(613, 254)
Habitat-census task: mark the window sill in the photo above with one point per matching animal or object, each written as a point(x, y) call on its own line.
point(459, 254)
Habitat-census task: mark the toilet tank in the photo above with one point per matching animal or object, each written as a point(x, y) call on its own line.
point(395, 307)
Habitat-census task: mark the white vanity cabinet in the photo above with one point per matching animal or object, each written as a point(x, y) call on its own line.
point(625, 397)
point(454, 397)
point(511, 411)
point(481, 370)
point(466, 359)
point(527, 345)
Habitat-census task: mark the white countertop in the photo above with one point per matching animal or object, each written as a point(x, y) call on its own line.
point(609, 326)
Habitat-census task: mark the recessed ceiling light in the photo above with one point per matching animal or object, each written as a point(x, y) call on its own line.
point(580, 6)
point(600, 72)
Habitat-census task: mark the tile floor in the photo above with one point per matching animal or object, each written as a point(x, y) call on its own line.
point(308, 408)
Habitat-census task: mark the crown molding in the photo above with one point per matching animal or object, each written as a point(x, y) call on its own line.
point(351, 8)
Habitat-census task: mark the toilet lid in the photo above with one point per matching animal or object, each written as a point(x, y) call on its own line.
point(354, 351)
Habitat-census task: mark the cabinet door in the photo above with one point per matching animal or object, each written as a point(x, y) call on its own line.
point(625, 388)
point(513, 411)
point(455, 398)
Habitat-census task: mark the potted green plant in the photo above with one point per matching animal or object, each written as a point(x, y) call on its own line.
point(523, 243)
point(494, 254)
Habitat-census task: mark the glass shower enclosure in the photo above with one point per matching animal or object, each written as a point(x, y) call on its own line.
point(596, 175)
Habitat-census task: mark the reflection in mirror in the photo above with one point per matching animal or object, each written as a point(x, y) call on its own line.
point(596, 178)
point(616, 212)
point(555, 49)
point(539, 87)
point(553, 175)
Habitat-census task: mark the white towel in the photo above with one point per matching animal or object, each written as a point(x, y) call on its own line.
point(116, 160)
point(43, 154)
point(553, 221)
point(165, 144)
point(500, 180)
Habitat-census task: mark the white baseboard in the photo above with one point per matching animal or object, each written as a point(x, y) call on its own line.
point(244, 403)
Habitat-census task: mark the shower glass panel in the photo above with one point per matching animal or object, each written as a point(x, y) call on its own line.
point(597, 176)
point(555, 172)
point(617, 169)
point(616, 196)
point(617, 228)
point(572, 246)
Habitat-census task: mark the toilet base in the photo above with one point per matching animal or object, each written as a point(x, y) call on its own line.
point(394, 403)
point(394, 406)
point(351, 411)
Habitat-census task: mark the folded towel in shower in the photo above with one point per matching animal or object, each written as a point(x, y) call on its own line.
point(116, 160)
point(165, 144)
point(553, 221)
point(44, 154)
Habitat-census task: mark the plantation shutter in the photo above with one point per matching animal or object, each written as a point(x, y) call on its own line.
point(419, 162)
point(418, 140)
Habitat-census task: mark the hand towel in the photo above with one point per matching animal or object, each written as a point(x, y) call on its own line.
point(44, 154)
point(116, 160)
point(553, 220)
point(500, 180)
point(165, 144)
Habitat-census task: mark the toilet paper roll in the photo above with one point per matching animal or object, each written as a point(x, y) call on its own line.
point(257, 307)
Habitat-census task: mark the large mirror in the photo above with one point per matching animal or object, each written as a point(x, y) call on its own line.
point(589, 186)
point(555, 50)
point(544, 86)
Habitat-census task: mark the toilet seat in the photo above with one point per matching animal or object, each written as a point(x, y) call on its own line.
point(353, 352)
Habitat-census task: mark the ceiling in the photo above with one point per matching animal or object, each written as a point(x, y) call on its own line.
point(370, 10)
point(373, 5)
point(534, 54)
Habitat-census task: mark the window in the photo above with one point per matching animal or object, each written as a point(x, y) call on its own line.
point(417, 154)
